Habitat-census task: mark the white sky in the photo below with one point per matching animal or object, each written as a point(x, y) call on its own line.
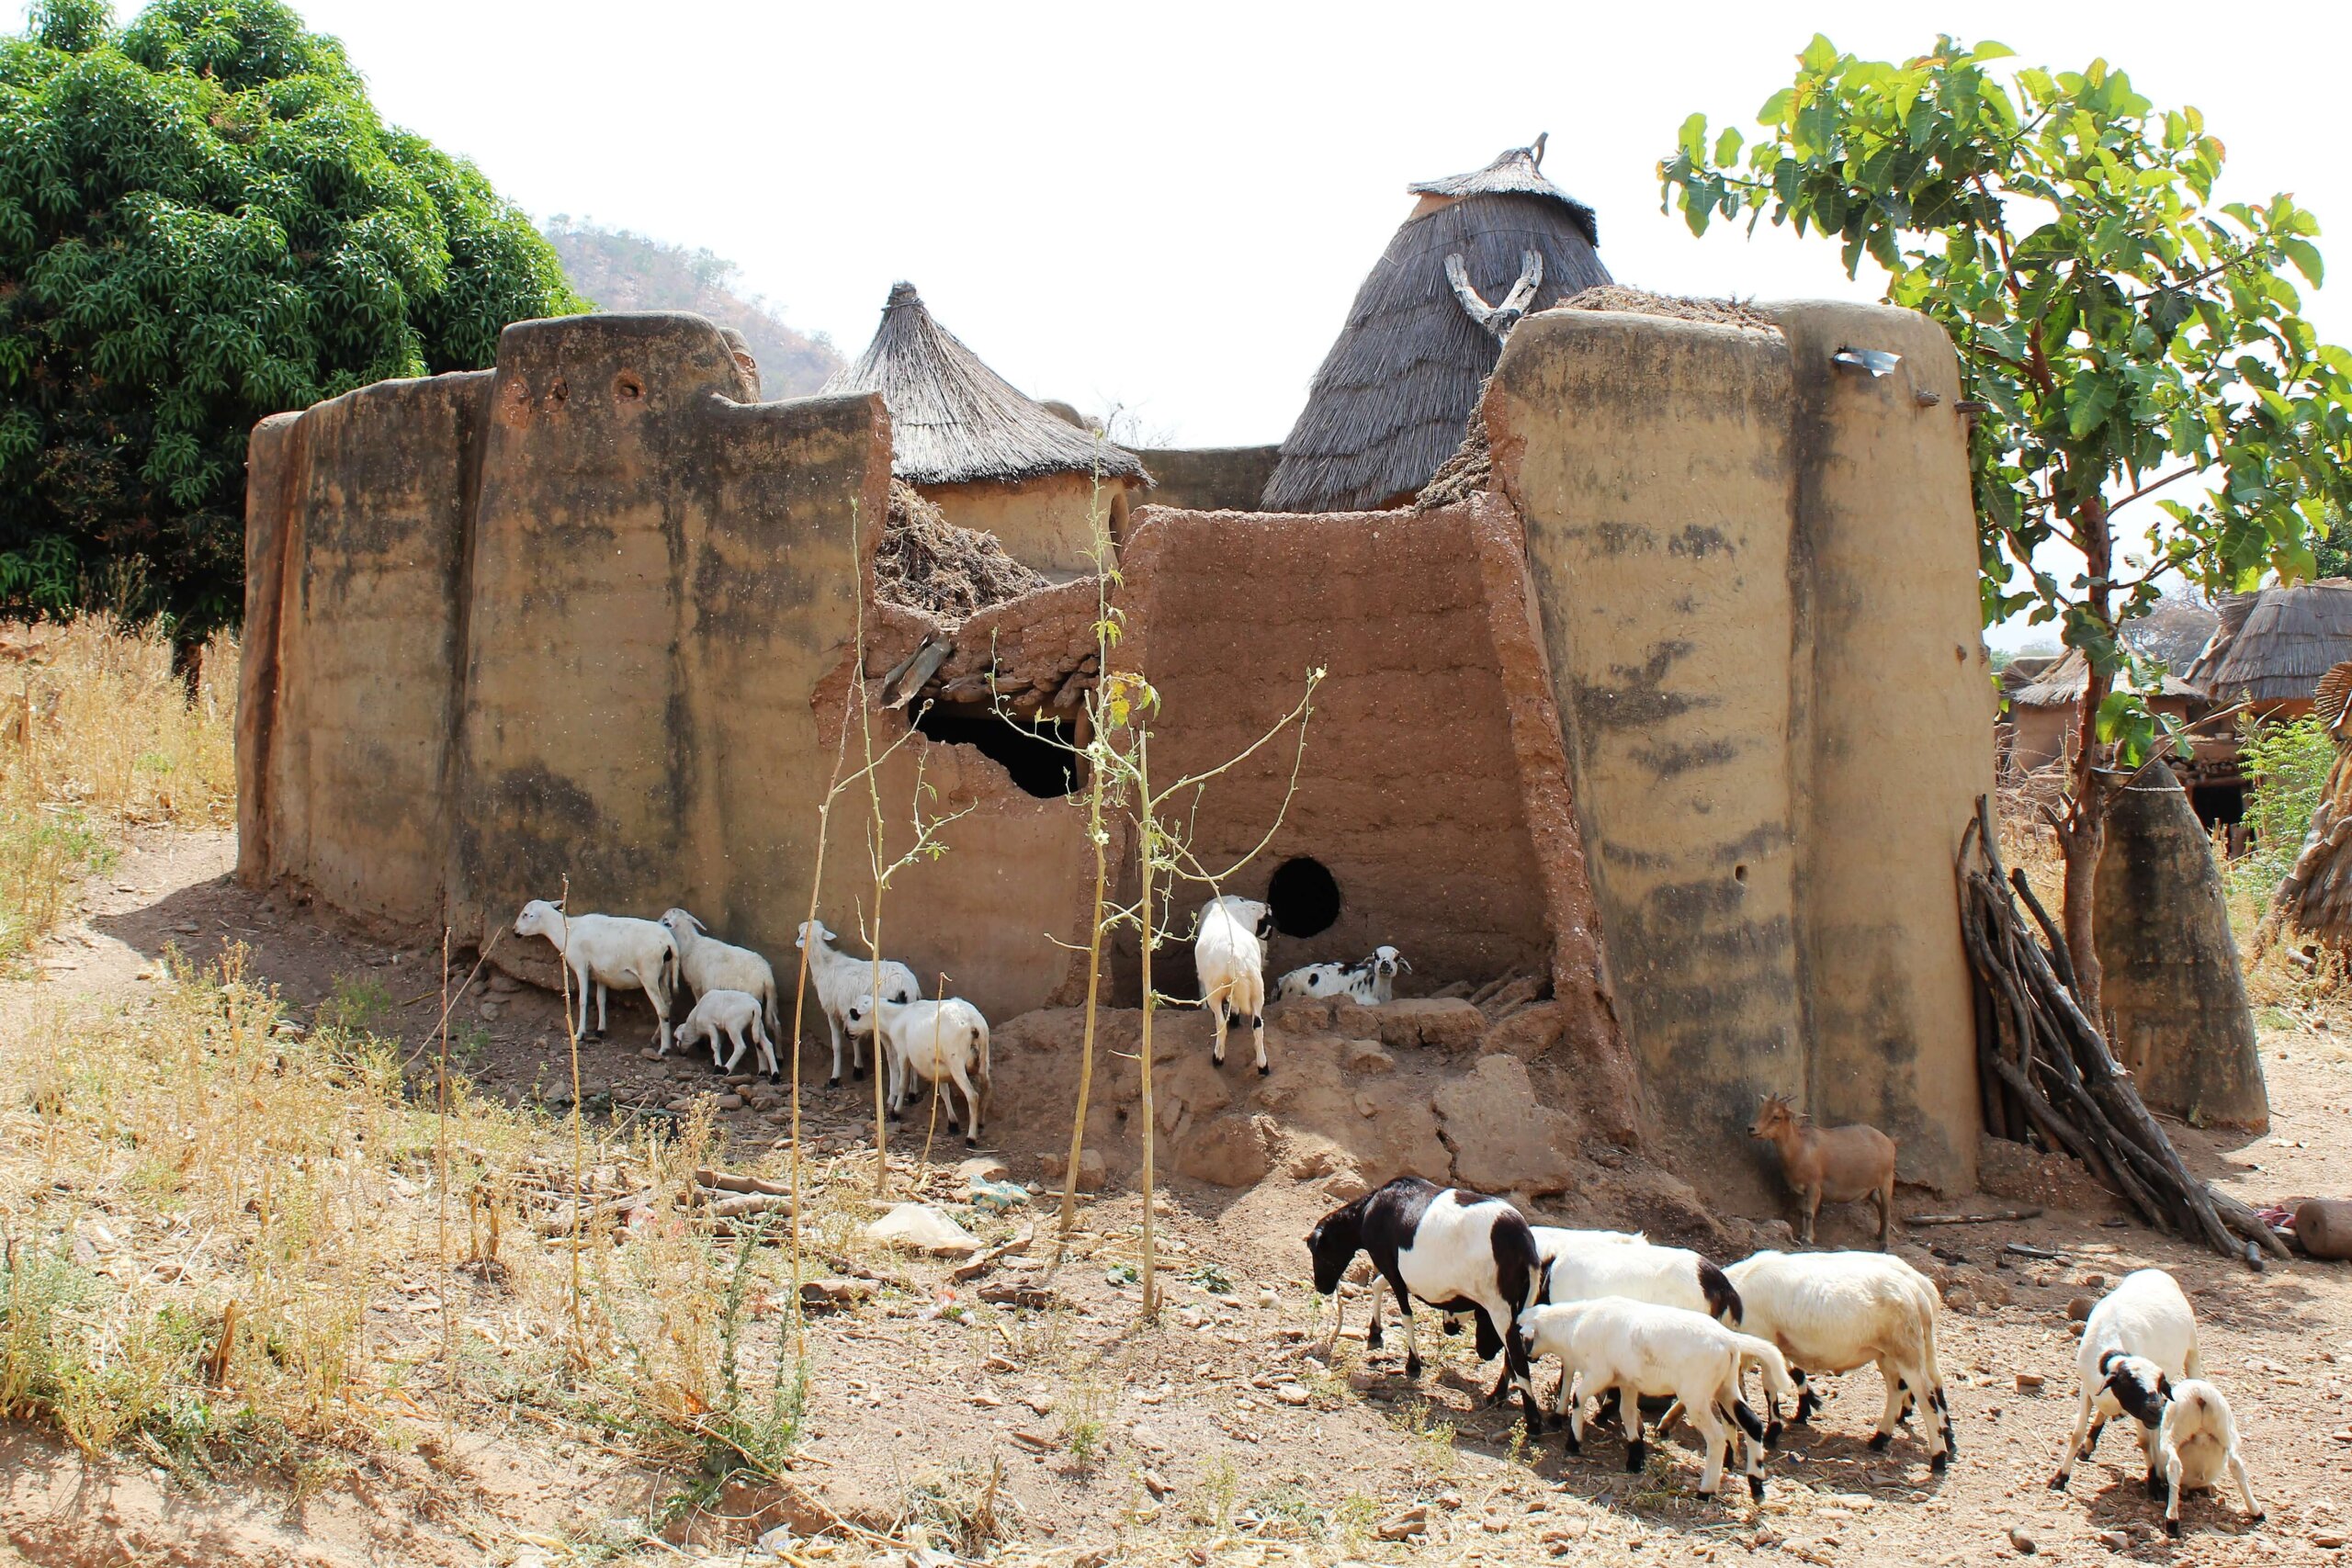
point(1169, 208)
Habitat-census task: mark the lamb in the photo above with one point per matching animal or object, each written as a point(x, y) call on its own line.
point(1642, 1348)
point(1585, 1265)
point(1841, 1164)
point(1230, 954)
point(2141, 1337)
point(938, 1041)
point(841, 980)
point(1371, 981)
point(1456, 1250)
point(1831, 1311)
point(732, 1014)
point(602, 951)
point(710, 965)
point(2196, 1441)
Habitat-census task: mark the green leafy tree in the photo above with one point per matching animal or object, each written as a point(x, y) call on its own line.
point(203, 221)
point(2120, 331)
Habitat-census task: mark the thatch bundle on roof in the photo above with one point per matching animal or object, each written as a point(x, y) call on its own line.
point(925, 562)
point(2275, 648)
point(1388, 404)
point(953, 420)
point(2060, 684)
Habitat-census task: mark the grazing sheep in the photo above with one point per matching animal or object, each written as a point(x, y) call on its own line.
point(840, 980)
point(1842, 1164)
point(1458, 1251)
point(710, 965)
point(1831, 1311)
point(731, 1015)
point(1230, 954)
point(2139, 1338)
point(1641, 1348)
point(608, 950)
point(2196, 1441)
point(1371, 981)
point(938, 1042)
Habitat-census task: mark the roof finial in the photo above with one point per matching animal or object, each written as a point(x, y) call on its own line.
point(1540, 138)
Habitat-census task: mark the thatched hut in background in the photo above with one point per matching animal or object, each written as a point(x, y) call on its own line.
point(990, 458)
point(1389, 403)
point(2315, 897)
point(2046, 709)
point(2272, 647)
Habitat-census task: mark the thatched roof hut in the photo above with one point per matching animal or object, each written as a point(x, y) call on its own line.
point(2281, 644)
point(2044, 708)
point(2316, 896)
point(2059, 683)
point(1388, 404)
point(990, 458)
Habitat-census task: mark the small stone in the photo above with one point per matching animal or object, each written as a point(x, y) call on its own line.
point(504, 984)
point(2022, 1541)
point(1092, 1172)
point(2029, 1382)
point(986, 1168)
point(1449, 1500)
point(1411, 1521)
point(1291, 1393)
point(1366, 1059)
point(2114, 1541)
point(2328, 1540)
point(834, 1295)
point(730, 1102)
point(1155, 1483)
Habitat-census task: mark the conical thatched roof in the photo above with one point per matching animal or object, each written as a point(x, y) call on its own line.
point(2288, 639)
point(952, 419)
point(2060, 684)
point(1388, 404)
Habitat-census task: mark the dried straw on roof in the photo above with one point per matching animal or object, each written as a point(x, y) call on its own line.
point(2315, 897)
point(2062, 684)
point(1388, 404)
point(1516, 171)
point(2289, 638)
point(925, 562)
point(1726, 312)
point(952, 419)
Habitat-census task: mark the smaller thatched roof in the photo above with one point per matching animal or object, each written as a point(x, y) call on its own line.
point(2289, 638)
point(1516, 171)
point(2062, 684)
point(953, 420)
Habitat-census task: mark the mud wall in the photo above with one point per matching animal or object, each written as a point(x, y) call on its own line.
point(577, 618)
point(1423, 787)
point(1047, 523)
point(1756, 586)
point(1210, 478)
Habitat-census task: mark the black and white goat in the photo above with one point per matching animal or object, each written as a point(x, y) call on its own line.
point(1371, 981)
point(2140, 1339)
point(1457, 1251)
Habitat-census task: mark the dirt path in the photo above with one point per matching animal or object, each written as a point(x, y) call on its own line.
point(1224, 1424)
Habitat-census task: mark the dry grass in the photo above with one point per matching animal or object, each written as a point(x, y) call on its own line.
point(98, 739)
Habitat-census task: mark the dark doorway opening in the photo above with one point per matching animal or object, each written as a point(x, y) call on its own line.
point(1303, 896)
point(2217, 805)
point(1033, 750)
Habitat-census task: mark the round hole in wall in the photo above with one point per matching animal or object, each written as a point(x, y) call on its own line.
point(1739, 874)
point(558, 393)
point(1303, 896)
point(628, 388)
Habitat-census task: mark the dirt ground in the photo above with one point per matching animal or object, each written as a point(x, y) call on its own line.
point(1223, 1434)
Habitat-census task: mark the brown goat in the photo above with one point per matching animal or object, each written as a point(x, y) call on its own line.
point(1842, 1165)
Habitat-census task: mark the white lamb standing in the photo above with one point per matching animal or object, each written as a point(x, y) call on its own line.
point(941, 1042)
point(732, 1015)
point(1230, 954)
point(841, 978)
point(602, 951)
point(710, 965)
point(2140, 1337)
point(2196, 1441)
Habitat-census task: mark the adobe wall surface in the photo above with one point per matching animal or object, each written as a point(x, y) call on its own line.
point(1757, 585)
point(1209, 478)
point(1047, 523)
point(1432, 787)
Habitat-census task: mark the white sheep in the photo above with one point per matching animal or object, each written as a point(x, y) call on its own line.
point(710, 965)
point(730, 1014)
point(608, 950)
point(1555, 1242)
point(1371, 981)
point(2140, 1337)
point(1643, 1350)
point(1584, 1265)
point(1230, 954)
point(2196, 1441)
point(939, 1041)
point(841, 980)
point(1832, 1312)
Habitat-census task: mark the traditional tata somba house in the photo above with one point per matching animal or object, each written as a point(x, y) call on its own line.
point(990, 458)
point(1478, 253)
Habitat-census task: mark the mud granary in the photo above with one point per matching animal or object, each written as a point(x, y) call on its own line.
point(1683, 710)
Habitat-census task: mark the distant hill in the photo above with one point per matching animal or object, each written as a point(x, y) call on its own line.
point(621, 271)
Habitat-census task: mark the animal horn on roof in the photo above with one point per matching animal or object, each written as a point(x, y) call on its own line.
point(1536, 147)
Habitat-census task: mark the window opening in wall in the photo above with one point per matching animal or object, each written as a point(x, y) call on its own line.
point(1029, 749)
point(1303, 896)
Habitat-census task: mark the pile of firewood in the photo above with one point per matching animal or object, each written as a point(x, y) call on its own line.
point(2048, 1075)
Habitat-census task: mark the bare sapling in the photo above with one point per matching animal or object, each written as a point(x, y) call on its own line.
point(1842, 1165)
